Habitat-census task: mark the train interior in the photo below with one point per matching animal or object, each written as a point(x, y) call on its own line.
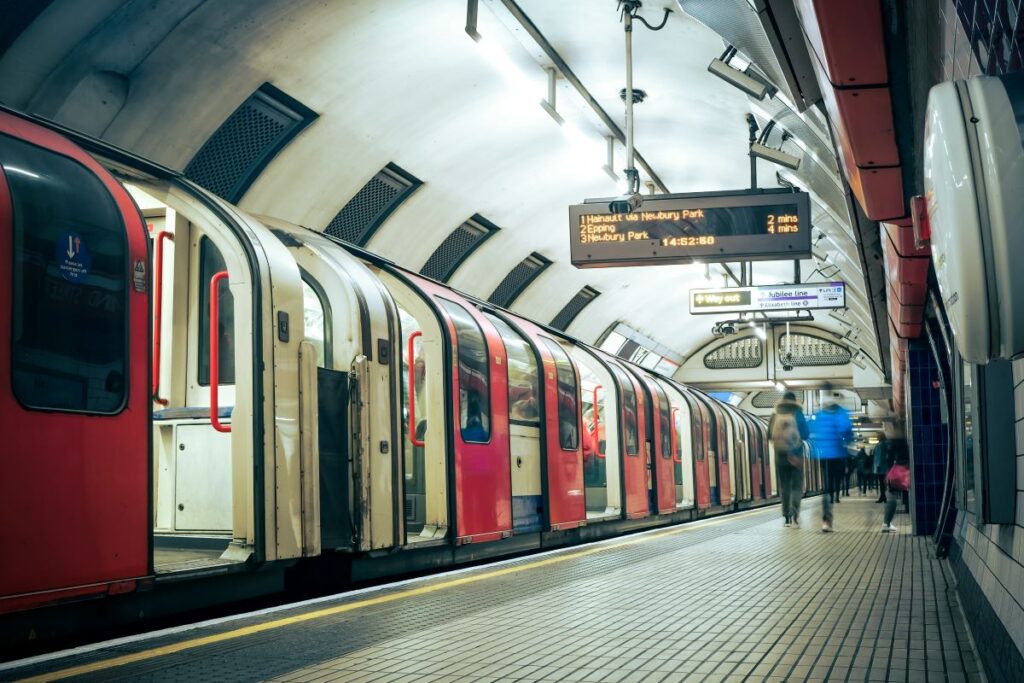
point(682, 448)
point(200, 470)
point(601, 473)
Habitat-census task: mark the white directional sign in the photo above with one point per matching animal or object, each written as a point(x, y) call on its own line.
point(805, 297)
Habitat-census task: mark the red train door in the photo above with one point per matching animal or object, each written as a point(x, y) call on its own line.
point(479, 420)
point(754, 451)
point(698, 434)
point(74, 359)
point(662, 456)
point(633, 439)
point(564, 454)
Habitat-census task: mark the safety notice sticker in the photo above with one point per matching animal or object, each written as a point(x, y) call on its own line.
point(72, 257)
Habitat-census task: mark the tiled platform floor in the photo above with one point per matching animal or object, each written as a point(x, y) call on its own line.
point(732, 599)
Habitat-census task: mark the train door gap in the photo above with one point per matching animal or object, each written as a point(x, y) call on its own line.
point(194, 463)
point(601, 471)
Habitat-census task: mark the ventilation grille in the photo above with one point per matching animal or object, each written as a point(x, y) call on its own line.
point(807, 350)
point(457, 247)
point(742, 353)
point(573, 308)
point(518, 279)
point(766, 399)
point(241, 148)
point(366, 212)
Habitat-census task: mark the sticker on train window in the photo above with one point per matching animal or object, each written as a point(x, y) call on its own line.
point(139, 276)
point(72, 256)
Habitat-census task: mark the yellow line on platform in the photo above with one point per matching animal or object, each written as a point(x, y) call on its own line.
point(368, 602)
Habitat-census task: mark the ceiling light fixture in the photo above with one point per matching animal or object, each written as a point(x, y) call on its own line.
point(743, 80)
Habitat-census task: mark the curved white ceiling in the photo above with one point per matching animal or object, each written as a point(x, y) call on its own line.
point(401, 81)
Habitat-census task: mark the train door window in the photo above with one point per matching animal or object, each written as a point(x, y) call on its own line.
point(210, 263)
point(629, 411)
point(316, 319)
point(523, 384)
point(568, 409)
point(474, 375)
point(967, 425)
point(664, 419)
point(70, 266)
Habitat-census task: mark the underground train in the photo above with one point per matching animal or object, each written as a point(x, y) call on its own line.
point(200, 406)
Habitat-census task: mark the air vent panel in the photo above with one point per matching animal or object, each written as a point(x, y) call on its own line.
point(808, 350)
point(241, 148)
point(457, 247)
point(518, 279)
point(574, 307)
point(360, 218)
point(766, 399)
point(365, 213)
point(742, 353)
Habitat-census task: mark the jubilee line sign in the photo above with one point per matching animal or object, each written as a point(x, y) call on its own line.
point(767, 298)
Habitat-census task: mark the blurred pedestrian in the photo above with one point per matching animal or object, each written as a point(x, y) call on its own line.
point(897, 480)
point(788, 430)
point(831, 430)
point(881, 465)
point(863, 471)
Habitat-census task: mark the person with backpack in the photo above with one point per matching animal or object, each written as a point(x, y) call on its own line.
point(788, 429)
point(832, 429)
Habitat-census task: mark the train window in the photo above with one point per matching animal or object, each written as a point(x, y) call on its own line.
point(70, 279)
point(523, 383)
point(474, 378)
point(316, 319)
point(664, 420)
point(568, 410)
point(210, 263)
point(631, 432)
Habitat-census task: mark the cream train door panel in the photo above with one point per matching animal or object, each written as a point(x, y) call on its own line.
point(258, 361)
point(425, 447)
point(602, 476)
point(362, 337)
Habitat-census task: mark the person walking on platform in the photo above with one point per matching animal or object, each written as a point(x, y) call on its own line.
point(897, 480)
point(880, 465)
point(863, 469)
point(788, 429)
point(831, 430)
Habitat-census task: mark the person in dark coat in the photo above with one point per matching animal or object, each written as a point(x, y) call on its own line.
point(787, 430)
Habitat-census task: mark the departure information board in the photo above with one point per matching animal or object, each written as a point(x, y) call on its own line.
point(768, 298)
point(748, 225)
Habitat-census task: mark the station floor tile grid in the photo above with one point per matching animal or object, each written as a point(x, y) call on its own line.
point(736, 599)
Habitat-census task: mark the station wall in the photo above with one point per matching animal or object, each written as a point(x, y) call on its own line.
point(983, 37)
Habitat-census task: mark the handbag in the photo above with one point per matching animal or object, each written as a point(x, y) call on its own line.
point(898, 478)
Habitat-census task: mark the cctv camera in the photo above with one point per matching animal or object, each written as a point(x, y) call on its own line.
point(627, 203)
point(775, 156)
point(747, 84)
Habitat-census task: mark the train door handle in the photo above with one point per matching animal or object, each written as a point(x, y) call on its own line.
point(215, 352)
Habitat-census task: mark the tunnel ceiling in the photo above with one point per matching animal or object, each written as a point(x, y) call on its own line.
point(401, 82)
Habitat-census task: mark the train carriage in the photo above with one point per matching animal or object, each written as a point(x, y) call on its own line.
point(214, 405)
